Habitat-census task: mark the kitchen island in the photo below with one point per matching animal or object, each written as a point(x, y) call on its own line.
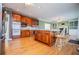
point(45, 36)
point(42, 35)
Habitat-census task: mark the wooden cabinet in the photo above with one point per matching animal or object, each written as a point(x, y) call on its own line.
point(23, 19)
point(26, 20)
point(16, 17)
point(26, 33)
point(38, 36)
point(23, 33)
point(46, 37)
point(29, 21)
point(35, 23)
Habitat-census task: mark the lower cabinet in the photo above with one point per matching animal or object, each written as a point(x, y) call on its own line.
point(26, 33)
point(46, 37)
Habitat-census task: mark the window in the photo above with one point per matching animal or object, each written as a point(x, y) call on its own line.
point(54, 26)
point(47, 26)
point(74, 25)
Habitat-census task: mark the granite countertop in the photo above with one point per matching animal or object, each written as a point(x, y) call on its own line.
point(32, 28)
point(37, 28)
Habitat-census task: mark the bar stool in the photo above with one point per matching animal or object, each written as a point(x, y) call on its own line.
point(61, 41)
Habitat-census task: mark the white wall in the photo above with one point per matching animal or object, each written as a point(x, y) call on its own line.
point(74, 32)
point(0, 24)
point(78, 28)
point(0, 18)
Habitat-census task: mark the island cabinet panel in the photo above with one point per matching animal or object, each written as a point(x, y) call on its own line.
point(46, 37)
point(16, 17)
point(38, 37)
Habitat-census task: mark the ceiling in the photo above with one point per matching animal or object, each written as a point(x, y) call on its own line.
point(46, 11)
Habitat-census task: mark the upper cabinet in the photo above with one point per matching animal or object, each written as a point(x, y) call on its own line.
point(26, 20)
point(29, 21)
point(16, 17)
point(23, 19)
point(35, 23)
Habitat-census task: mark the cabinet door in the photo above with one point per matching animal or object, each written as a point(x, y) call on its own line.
point(21, 33)
point(46, 38)
point(34, 23)
point(38, 37)
point(16, 17)
point(23, 19)
point(29, 21)
point(27, 33)
point(24, 33)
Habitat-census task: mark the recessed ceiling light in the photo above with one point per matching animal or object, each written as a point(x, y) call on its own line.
point(39, 7)
point(17, 9)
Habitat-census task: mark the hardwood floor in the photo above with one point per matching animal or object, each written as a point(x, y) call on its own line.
point(28, 46)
